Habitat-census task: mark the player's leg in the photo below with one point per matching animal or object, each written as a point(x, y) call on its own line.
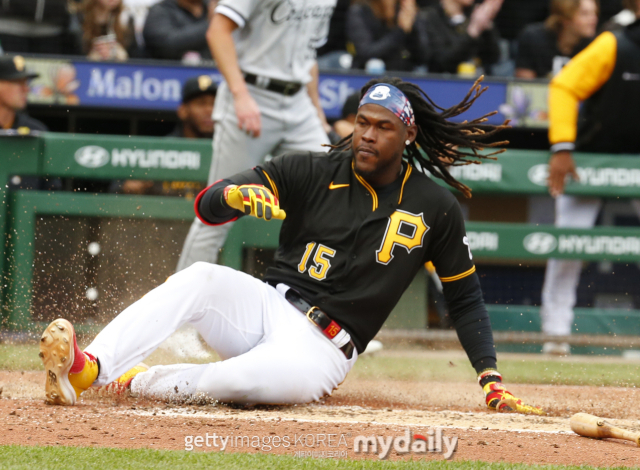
point(294, 363)
point(226, 306)
point(562, 276)
point(303, 129)
point(233, 152)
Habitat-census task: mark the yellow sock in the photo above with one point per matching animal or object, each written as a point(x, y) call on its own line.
point(85, 378)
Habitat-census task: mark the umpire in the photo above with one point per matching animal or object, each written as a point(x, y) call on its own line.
point(606, 76)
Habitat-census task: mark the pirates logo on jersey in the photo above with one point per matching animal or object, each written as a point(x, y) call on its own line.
point(403, 229)
point(380, 92)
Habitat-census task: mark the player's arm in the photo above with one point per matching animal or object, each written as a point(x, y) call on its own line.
point(579, 79)
point(453, 261)
point(261, 192)
point(312, 90)
point(219, 37)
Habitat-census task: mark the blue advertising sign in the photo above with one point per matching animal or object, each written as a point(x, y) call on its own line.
point(134, 86)
point(334, 90)
point(159, 87)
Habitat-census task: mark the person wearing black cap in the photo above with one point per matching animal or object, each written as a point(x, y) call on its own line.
point(14, 87)
point(194, 114)
point(198, 97)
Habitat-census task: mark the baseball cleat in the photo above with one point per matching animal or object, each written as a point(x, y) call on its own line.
point(69, 371)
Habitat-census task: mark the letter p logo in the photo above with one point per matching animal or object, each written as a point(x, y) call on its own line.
point(404, 229)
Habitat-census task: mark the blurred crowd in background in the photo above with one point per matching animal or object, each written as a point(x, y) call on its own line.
point(522, 38)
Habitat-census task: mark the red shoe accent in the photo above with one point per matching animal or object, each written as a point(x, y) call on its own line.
point(79, 358)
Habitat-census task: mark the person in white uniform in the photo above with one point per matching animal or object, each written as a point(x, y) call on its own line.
point(268, 103)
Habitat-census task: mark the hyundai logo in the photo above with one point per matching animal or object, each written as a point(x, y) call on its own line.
point(540, 243)
point(92, 156)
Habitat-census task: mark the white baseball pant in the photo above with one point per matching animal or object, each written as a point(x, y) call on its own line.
point(562, 275)
point(271, 353)
point(288, 123)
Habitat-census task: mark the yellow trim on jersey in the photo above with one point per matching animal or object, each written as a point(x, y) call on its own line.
point(374, 196)
point(459, 276)
point(578, 80)
point(273, 186)
point(406, 177)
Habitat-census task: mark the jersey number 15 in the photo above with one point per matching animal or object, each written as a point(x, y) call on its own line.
point(321, 260)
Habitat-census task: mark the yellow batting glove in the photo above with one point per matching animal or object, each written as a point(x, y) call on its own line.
point(255, 200)
point(499, 398)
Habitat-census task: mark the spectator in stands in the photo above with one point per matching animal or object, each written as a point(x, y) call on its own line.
point(105, 33)
point(104, 36)
point(177, 27)
point(14, 88)
point(544, 48)
point(36, 26)
point(336, 46)
point(388, 30)
point(461, 33)
point(195, 122)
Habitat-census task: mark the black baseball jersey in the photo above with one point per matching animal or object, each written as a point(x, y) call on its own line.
point(352, 249)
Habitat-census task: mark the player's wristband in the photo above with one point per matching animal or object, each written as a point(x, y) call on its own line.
point(563, 146)
point(488, 376)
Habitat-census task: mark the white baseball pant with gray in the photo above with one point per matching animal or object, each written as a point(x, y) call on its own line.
point(562, 275)
point(288, 123)
point(271, 353)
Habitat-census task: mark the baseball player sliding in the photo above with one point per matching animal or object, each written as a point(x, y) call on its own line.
point(269, 102)
point(359, 222)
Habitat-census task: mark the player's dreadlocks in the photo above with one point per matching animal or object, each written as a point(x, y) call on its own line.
point(445, 143)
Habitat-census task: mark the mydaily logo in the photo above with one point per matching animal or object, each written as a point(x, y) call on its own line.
point(94, 156)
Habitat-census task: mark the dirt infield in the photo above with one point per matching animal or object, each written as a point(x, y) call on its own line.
point(358, 408)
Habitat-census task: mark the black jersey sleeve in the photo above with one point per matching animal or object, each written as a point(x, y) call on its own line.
point(449, 249)
point(210, 206)
point(286, 176)
point(452, 258)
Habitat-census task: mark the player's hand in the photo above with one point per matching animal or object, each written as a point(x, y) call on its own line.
point(500, 399)
point(561, 164)
point(255, 200)
point(248, 114)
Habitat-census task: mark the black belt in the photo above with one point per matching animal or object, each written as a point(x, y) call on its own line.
point(316, 316)
point(273, 84)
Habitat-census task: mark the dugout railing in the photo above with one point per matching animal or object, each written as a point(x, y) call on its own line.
point(517, 172)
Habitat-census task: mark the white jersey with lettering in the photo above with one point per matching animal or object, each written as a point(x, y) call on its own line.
point(275, 39)
point(278, 38)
